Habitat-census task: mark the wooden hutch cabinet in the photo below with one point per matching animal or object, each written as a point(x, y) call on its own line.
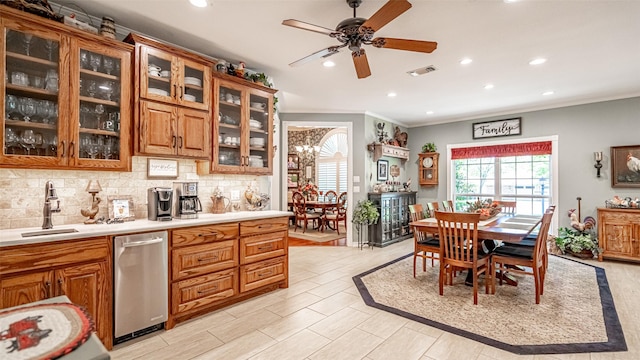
point(243, 127)
point(79, 269)
point(67, 96)
point(393, 224)
point(619, 234)
point(172, 100)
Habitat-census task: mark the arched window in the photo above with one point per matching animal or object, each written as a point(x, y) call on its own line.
point(331, 166)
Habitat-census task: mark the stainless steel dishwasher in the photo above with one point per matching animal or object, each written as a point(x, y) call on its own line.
point(140, 284)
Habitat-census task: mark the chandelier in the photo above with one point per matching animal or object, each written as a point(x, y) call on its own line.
point(306, 152)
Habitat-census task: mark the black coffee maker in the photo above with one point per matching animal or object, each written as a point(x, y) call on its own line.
point(159, 202)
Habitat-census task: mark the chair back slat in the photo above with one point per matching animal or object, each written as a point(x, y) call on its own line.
point(507, 207)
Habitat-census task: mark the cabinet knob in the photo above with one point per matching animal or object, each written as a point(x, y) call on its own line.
point(60, 289)
point(47, 285)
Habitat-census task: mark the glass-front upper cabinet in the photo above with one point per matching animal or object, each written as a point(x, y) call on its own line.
point(169, 78)
point(66, 98)
point(243, 129)
point(32, 96)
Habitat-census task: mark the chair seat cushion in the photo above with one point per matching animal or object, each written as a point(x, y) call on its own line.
point(515, 251)
point(430, 241)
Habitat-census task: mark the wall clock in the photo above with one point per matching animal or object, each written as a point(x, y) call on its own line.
point(428, 168)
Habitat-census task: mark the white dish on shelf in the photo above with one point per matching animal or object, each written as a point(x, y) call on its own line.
point(258, 105)
point(189, 97)
point(256, 141)
point(255, 124)
point(158, 91)
point(192, 81)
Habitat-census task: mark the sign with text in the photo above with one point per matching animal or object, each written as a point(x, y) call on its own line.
point(162, 169)
point(497, 128)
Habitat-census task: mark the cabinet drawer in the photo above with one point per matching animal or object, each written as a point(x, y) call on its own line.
point(202, 259)
point(203, 290)
point(48, 255)
point(262, 247)
point(204, 234)
point(262, 273)
point(264, 225)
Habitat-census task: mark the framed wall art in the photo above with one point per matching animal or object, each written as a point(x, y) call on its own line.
point(121, 207)
point(489, 129)
point(293, 162)
point(292, 179)
point(162, 168)
point(625, 166)
point(383, 170)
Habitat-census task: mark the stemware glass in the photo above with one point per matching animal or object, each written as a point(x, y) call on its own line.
point(28, 108)
point(11, 105)
point(10, 140)
point(107, 89)
point(92, 87)
point(26, 40)
point(50, 45)
point(95, 60)
point(53, 146)
point(84, 59)
point(107, 64)
point(28, 140)
point(39, 143)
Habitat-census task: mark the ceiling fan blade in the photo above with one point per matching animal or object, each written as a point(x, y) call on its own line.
point(405, 44)
point(316, 55)
point(306, 26)
point(389, 11)
point(361, 63)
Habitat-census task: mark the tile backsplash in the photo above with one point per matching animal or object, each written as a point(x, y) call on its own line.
point(22, 191)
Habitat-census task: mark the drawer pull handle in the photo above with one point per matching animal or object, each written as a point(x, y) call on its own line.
point(266, 273)
point(214, 258)
point(215, 233)
point(266, 247)
point(265, 226)
point(213, 289)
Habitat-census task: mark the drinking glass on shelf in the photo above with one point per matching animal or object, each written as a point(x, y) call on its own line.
point(39, 143)
point(28, 140)
point(27, 108)
point(51, 80)
point(107, 64)
point(10, 140)
point(92, 88)
point(11, 105)
point(84, 59)
point(50, 45)
point(107, 89)
point(53, 146)
point(95, 60)
point(26, 40)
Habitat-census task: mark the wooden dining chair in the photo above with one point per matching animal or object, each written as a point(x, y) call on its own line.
point(432, 207)
point(524, 260)
point(507, 207)
point(425, 244)
point(340, 213)
point(301, 213)
point(529, 241)
point(447, 205)
point(458, 233)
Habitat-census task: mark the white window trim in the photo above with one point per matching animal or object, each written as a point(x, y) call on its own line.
point(554, 166)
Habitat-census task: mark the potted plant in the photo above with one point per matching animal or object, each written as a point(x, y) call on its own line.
point(429, 147)
point(579, 244)
point(365, 213)
point(258, 78)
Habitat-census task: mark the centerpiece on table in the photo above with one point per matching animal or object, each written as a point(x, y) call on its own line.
point(309, 190)
point(487, 208)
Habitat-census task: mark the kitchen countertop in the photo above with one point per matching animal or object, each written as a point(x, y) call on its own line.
point(12, 237)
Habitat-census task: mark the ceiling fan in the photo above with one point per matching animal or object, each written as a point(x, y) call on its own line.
point(355, 32)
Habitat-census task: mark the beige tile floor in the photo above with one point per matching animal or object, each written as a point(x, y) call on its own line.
point(321, 316)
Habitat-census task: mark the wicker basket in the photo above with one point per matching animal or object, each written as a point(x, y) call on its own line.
point(38, 7)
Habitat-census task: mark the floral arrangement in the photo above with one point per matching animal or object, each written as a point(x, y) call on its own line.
point(308, 188)
point(487, 208)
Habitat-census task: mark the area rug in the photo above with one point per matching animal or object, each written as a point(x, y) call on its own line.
point(318, 236)
point(576, 314)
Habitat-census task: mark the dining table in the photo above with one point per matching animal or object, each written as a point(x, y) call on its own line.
point(504, 227)
point(319, 204)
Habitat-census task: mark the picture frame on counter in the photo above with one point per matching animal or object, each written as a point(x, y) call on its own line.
point(121, 207)
point(162, 168)
point(625, 166)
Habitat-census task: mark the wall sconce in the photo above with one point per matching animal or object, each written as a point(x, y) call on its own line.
point(598, 166)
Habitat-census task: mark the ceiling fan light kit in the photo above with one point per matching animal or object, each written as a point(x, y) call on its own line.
point(355, 32)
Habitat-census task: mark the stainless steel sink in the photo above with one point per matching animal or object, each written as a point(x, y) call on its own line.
point(48, 232)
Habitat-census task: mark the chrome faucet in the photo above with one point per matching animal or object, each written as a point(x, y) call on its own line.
point(49, 195)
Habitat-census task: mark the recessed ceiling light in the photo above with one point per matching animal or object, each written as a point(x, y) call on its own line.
point(538, 61)
point(488, 87)
point(429, 112)
point(392, 94)
point(414, 73)
point(465, 61)
point(199, 3)
point(510, 1)
point(329, 63)
point(550, 92)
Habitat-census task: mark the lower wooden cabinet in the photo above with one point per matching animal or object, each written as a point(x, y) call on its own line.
point(214, 266)
point(619, 234)
point(79, 269)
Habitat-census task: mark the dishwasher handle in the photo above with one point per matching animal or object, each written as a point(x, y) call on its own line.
point(142, 243)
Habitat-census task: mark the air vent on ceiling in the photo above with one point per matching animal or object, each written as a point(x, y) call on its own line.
point(422, 70)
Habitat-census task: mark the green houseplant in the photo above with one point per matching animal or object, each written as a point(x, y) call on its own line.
point(429, 147)
point(365, 213)
point(580, 244)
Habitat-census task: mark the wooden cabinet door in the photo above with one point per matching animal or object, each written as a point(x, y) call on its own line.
point(158, 135)
point(259, 132)
point(153, 84)
point(618, 237)
point(194, 85)
point(23, 289)
point(89, 285)
point(193, 133)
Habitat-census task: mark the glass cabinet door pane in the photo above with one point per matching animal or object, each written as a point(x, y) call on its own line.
point(159, 76)
point(193, 81)
point(99, 123)
point(31, 94)
point(229, 135)
point(258, 131)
